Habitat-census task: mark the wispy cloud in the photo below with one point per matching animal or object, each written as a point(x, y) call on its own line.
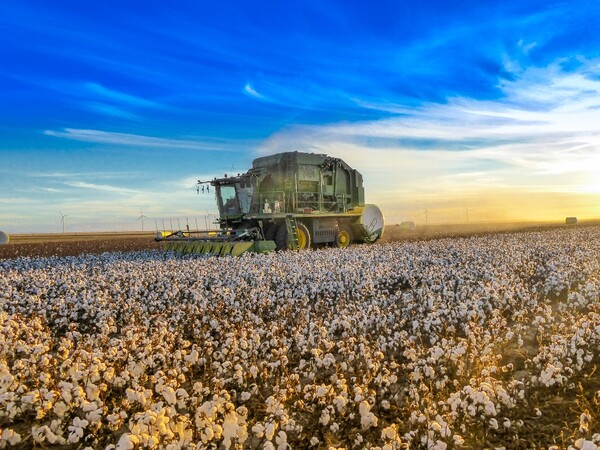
point(87, 175)
point(102, 187)
point(92, 96)
point(119, 97)
point(98, 98)
point(136, 140)
point(15, 200)
point(540, 136)
point(249, 90)
point(112, 111)
point(51, 190)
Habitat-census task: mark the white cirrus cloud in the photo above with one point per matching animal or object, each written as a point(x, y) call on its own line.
point(118, 96)
point(137, 140)
point(249, 90)
point(539, 137)
point(102, 187)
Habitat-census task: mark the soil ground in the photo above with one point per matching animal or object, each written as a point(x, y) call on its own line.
point(71, 244)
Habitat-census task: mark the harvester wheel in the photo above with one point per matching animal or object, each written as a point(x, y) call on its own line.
point(303, 236)
point(281, 239)
point(344, 237)
point(271, 231)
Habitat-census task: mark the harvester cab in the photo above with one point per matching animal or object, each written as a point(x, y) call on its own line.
point(289, 200)
point(234, 197)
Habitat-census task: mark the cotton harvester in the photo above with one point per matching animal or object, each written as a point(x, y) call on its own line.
point(289, 200)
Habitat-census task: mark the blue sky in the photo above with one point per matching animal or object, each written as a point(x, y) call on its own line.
point(489, 109)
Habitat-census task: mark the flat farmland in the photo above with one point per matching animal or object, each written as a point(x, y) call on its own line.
point(72, 244)
point(438, 338)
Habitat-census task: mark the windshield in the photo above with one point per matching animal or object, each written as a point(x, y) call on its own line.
point(228, 200)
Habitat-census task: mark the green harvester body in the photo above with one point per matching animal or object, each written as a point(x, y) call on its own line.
point(289, 200)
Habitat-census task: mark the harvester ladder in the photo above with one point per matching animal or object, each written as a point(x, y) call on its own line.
point(288, 183)
point(290, 224)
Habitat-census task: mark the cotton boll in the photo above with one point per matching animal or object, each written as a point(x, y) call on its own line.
point(281, 441)
point(584, 444)
point(490, 408)
point(230, 428)
point(367, 418)
point(207, 434)
point(10, 436)
point(270, 429)
point(93, 412)
point(439, 445)
point(584, 422)
point(325, 417)
point(258, 429)
point(75, 434)
point(127, 442)
point(389, 433)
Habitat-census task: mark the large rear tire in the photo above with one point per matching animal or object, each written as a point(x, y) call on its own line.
point(281, 237)
point(271, 231)
point(303, 236)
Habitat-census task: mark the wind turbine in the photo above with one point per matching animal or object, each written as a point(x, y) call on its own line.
point(142, 217)
point(62, 220)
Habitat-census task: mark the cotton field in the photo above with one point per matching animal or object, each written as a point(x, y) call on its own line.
point(490, 341)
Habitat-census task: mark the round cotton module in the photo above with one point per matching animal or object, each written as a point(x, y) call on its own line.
point(372, 223)
point(4, 238)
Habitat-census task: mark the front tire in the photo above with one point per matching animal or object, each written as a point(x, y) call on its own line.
point(343, 237)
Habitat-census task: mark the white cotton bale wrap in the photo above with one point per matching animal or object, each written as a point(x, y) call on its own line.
point(372, 223)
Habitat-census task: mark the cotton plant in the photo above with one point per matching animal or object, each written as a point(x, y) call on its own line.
point(435, 345)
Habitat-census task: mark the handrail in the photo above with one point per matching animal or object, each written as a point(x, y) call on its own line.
point(316, 202)
point(319, 203)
